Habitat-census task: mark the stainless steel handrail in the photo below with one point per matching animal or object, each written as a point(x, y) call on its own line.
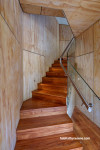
point(87, 105)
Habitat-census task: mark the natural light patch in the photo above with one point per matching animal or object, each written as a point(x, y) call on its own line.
point(62, 20)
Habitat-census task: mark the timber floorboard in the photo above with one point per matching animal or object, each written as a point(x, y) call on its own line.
point(83, 127)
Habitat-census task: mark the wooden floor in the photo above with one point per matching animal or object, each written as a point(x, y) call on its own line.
point(83, 127)
point(44, 119)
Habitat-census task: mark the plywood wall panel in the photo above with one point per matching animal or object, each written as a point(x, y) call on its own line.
point(88, 62)
point(97, 72)
point(51, 12)
point(97, 35)
point(51, 46)
point(40, 49)
point(79, 45)
point(85, 67)
point(33, 71)
point(88, 41)
point(63, 45)
point(84, 42)
point(10, 85)
point(12, 13)
point(38, 10)
point(65, 32)
point(97, 58)
point(65, 35)
point(31, 9)
point(33, 33)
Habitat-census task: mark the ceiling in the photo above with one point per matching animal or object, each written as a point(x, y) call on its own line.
point(81, 14)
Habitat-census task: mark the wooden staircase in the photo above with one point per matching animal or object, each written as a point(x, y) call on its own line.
point(44, 117)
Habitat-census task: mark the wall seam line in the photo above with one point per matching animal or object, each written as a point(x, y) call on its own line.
point(10, 29)
point(32, 52)
point(84, 54)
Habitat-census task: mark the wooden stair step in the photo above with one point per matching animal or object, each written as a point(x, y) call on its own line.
point(49, 97)
point(53, 93)
point(51, 142)
point(43, 126)
point(58, 65)
point(56, 74)
point(36, 122)
point(41, 102)
point(51, 87)
point(31, 113)
point(53, 80)
point(56, 69)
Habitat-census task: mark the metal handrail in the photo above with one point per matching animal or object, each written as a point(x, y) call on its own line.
point(66, 49)
point(87, 105)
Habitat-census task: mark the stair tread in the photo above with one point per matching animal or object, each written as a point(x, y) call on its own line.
point(51, 87)
point(62, 73)
point(37, 122)
point(50, 97)
point(55, 81)
point(56, 74)
point(50, 142)
point(34, 103)
point(55, 86)
point(54, 93)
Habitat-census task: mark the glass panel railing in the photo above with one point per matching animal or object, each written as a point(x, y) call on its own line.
point(71, 52)
point(70, 98)
point(74, 100)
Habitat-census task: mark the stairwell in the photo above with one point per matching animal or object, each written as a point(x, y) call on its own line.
point(44, 117)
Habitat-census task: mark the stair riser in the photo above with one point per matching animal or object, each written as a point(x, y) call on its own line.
point(40, 87)
point(55, 81)
point(59, 70)
point(54, 99)
point(43, 112)
point(54, 74)
point(52, 93)
point(44, 131)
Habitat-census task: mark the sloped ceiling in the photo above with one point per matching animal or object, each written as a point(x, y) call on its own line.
point(80, 13)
